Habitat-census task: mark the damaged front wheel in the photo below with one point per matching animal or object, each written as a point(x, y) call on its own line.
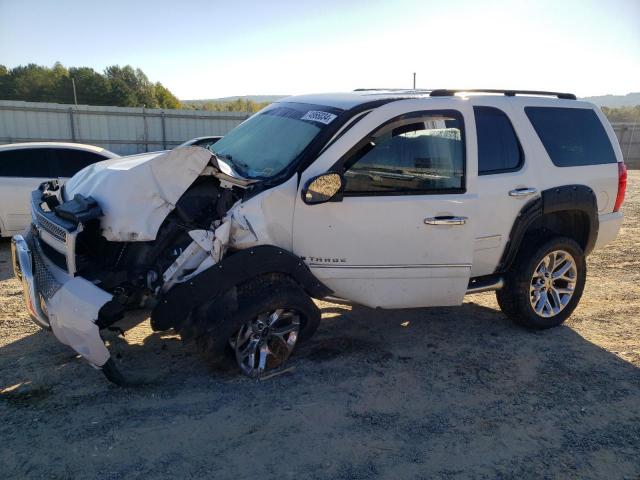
point(272, 317)
point(267, 341)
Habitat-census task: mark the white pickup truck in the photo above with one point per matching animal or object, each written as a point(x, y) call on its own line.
point(388, 199)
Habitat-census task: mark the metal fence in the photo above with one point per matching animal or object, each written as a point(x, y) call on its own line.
point(628, 134)
point(119, 129)
point(134, 130)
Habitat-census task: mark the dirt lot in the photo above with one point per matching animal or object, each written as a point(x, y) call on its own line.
point(453, 393)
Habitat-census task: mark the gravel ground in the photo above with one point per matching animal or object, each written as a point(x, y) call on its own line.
point(443, 392)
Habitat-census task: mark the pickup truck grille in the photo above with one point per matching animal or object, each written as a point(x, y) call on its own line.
point(48, 226)
point(47, 283)
point(58, 236)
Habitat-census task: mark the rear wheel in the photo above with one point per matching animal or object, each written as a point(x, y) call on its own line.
point(545, 283)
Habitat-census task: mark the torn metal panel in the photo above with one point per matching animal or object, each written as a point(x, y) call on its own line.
point(72, 312)
point(206, 250)
point(137, 193)
point(265, 219)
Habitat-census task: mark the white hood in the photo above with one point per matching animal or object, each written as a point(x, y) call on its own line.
point(137, 193)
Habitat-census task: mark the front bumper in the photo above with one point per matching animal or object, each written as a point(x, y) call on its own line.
point(23, 270)
point(68, 306)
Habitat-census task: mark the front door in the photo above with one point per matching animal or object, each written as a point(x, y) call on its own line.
point(402, 233)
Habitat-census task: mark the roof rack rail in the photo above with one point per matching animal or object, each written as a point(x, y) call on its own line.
point(445, 92)
point(398, 90)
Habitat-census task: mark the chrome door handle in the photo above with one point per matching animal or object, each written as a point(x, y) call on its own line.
point(523, 192)
point(445, 220)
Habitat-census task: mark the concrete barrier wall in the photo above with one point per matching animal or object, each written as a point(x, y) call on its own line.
point(122, 130)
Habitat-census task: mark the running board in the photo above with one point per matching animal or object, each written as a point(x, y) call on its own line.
point(485, 284)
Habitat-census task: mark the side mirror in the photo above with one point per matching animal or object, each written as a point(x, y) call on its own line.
point(322, 188)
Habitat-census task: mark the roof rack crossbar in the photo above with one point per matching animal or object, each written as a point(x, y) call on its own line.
point(445, 92)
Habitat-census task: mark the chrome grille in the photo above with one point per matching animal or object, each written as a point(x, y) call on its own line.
point(55, 233)
point(47, 283)
point(48, 226)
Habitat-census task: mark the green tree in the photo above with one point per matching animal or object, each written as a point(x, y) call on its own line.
point(4, 79)
point(119, 86)
point(92, 88)
point(122, 81)
point(164, 97)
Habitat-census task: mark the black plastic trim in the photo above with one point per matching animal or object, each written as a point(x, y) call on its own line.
point(574, 197)
point(557, 199)
point(109, 313)
point(176, 305)
point(531, 211)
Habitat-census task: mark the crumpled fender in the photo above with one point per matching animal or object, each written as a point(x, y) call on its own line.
point(137, 193)
point(175, 305)
point(72, 312)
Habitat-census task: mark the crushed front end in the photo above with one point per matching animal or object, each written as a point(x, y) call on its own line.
point(72, 307)
point(99, 246)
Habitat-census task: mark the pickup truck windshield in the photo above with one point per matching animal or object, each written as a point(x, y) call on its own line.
point(266, 143)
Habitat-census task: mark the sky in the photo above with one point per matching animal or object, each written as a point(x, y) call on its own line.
point(210, 49)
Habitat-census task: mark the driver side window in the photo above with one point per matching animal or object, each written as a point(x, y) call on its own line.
point(419, 153)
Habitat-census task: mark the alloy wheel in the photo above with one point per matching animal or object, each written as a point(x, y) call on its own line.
point(266, 341)
point(553, 283)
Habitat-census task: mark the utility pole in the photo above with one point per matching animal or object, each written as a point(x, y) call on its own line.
point(414, 80)
point(75, 98)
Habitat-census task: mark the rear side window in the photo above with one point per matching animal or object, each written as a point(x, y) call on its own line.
point(571, 136)
point(27, 163)
point(498, 147)
point(68, 162)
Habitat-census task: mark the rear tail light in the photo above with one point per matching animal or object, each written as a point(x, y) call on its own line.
point(622, 185)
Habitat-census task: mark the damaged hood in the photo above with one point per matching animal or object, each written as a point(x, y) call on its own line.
point(137, 193)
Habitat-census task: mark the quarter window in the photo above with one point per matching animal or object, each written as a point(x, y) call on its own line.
point(498, 147)
point(414, 154)
point(571, 136)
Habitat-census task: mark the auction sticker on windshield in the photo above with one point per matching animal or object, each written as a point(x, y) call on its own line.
point(318, 116)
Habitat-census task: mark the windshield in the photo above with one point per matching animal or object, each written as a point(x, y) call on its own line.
point(266, 143)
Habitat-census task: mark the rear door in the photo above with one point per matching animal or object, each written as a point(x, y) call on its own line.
point(402, 234)
point(505, 182)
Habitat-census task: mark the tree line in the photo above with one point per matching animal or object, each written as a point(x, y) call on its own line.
point(128, 87)
point(116, 86)
point(622, 114)
point(237, 105)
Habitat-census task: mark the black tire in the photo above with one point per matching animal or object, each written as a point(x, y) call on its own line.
point(217, 324)
point(515, 297)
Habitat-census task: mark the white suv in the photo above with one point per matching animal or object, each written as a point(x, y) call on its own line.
point(389, 199)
